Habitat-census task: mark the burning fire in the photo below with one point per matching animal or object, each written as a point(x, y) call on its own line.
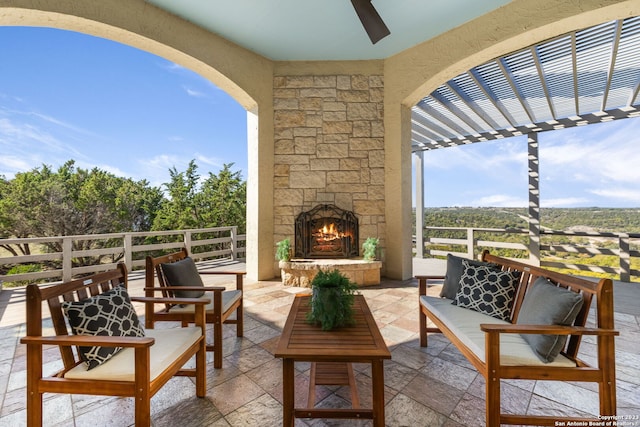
point(328, 233)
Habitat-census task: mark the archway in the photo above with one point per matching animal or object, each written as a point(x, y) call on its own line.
point(245, 76)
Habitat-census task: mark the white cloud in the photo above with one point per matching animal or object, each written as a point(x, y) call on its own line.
point(499, 200)
point(107, 168)
point(35, 138)
point(626, 194)
point(565, 202)
point(155, 169)
point(12, 164)
point(211, 161)
point(195, 93)
point(14, 132)
point(604, 152)
point(484, 157)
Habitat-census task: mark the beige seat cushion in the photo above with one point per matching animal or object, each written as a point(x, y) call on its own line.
point(228, 299)
point(465, 324)
point(169, 345)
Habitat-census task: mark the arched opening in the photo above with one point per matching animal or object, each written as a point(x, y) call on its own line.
point(65, 93)
point(246, 77)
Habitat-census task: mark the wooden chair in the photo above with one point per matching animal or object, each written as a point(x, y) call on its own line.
point(143, 366)
point(223, 302)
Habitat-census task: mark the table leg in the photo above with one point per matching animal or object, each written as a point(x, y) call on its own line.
point(377, 374)
point(288, 393)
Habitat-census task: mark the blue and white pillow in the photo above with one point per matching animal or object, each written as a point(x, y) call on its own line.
point(487, 289)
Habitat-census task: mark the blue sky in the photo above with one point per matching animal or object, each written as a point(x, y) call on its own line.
point(65, 95)
point(588, 166)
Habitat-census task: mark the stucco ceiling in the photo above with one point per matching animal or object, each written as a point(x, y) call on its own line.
point(325, 29)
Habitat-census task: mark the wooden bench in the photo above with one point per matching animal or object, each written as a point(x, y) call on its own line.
point(492, 353)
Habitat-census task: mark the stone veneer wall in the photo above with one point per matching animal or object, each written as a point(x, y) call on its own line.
point(329, 148)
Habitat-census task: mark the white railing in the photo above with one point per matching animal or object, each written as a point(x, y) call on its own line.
point(470, 245)
point(131, 248)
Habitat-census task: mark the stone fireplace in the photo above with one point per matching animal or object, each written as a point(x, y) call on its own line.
point(327, 238)
point(329, 150)
point(326, 231)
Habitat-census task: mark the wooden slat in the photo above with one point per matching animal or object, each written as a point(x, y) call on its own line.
point(304, 338)
point(358, 343)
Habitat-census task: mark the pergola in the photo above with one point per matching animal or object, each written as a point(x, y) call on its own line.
point(332, 118)
point(587, 76)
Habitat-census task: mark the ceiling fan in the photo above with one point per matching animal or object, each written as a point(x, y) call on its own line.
point(371, 20)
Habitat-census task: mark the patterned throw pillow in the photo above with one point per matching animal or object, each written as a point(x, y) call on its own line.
point(106, 314)
point(487, 290)
point(452, 277)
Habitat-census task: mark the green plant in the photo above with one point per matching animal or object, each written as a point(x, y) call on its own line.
point(332, 300)
point(283, 250)
point(369, 248)
point(22, 269)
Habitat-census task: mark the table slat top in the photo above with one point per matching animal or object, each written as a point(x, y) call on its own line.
point(362, 340)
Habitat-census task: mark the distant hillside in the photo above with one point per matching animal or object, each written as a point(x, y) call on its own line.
point(563, 219)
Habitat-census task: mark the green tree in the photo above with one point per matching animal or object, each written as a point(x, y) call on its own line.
point(72, 201)
point(219, 201)
point(180, 210)
point(223, 199)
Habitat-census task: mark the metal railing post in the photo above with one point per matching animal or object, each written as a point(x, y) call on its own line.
point(625, 257)
point(419, 168)
point(534, 198)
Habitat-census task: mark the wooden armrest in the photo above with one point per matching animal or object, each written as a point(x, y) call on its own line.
point(422, 283)
point(196, 301)
point(91, 340)
point(187, 288)
point(237, 273)
point(545, 329)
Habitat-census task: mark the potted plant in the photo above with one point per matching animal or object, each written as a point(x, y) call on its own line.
point(331, 300)
point(369, 248)
point(283, 250)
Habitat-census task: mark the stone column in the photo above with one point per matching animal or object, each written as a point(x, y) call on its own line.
point(329, 148)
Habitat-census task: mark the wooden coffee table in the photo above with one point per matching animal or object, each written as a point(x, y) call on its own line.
point(360, 343)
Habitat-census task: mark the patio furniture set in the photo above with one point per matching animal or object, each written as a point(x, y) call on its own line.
point(106, 351)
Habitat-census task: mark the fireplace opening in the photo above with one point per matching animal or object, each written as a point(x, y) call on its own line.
point(326, 231)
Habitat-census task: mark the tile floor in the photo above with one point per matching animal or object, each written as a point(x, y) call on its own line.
point(433, 386)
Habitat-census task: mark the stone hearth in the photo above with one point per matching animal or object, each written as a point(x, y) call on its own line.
point(300, 272)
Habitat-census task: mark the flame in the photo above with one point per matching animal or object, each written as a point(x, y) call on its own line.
point(328, 233)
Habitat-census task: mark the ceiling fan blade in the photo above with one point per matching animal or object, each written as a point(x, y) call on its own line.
point(371, 20)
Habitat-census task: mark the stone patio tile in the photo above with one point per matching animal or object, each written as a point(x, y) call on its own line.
point(423, 386)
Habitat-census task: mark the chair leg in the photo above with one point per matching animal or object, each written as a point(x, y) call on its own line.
point(607, 387)
point(201, 369)
point(143, 412)
point(34, 375)
point(422, 323)
point(34, 409)
point(217, 345)
point(240, 322)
